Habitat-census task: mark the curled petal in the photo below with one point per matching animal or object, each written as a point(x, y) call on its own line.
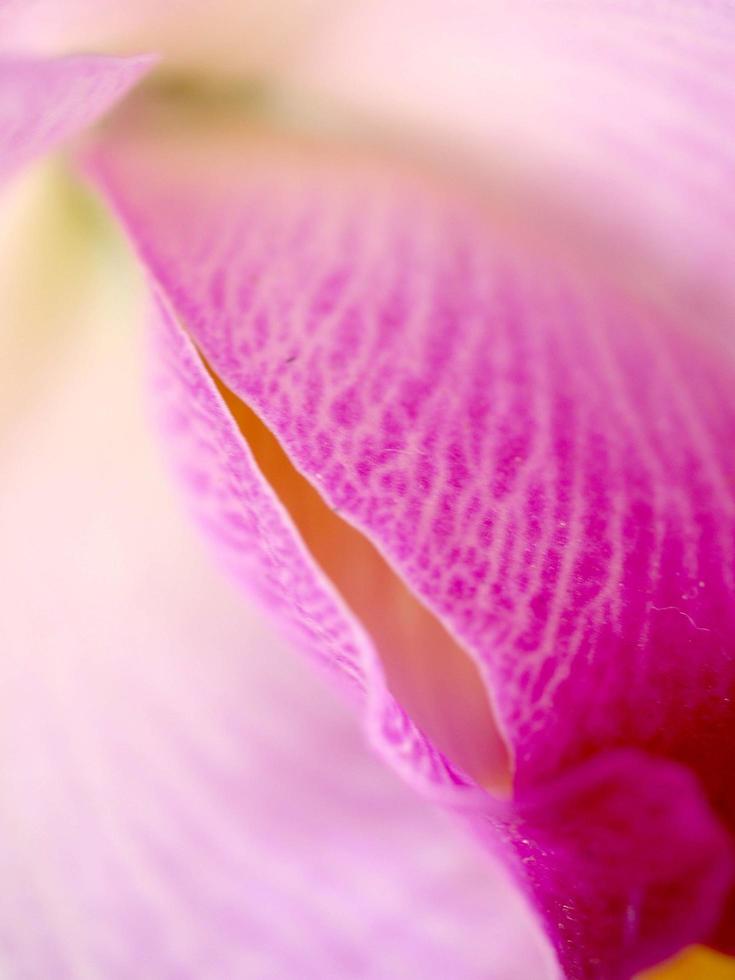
point(43, 102)
point(623, 857)
point(539, 453)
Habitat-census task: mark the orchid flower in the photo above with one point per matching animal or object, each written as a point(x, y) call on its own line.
point(439, 310)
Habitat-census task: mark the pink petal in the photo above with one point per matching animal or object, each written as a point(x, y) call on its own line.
point(624, 861)
point(543, 455)
point(43, 102)
point(622, 856)
point(177, 797)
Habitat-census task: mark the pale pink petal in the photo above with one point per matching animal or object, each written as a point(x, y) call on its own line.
point(248, 39)
point(612, 121)
point(544, 456)
point(178, 798)
point(44, 102)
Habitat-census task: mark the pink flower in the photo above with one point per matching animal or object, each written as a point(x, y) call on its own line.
point(442, 351)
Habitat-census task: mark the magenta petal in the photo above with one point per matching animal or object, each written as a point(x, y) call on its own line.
point(624, 861)
point(43, 102)
point(622, 857)
point(545, 457)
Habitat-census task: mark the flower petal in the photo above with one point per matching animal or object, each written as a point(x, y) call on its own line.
point(43, 102)
point(622, 857)
point(617, 118)
point(174, 799)
point(624, 860)
point(245, 39)
point(544, 456)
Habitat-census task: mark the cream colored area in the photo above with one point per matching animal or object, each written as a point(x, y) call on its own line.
point(695, 963)
point(427, 671)
point(56, 252)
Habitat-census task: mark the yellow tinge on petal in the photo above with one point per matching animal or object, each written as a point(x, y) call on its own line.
point(56, 253)
point(695, 963)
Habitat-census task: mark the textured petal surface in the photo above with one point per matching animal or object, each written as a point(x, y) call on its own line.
point(177, 797)
point(44, 102)
point(622, 857)
point(543, 454)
